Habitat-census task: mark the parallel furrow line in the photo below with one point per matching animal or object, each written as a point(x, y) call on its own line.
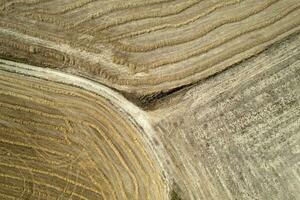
point(158, 27)
point(21, 96)
point(120, 7)
point(135, 17)
point(30, 169)
point(58, 189)
point(23, 156)
point(58, 19)
point(96, 183)
point(106, 179)
point(42, 149)
point(6, 196)
point(205, 31)
point(123, 7)
point(191, 70)
point(71, 7)
point(32, 84)
point(30, 110)
point(32, 123)
point(105, 156)
point(119, 156)
point(30, 135)
point(14, 3)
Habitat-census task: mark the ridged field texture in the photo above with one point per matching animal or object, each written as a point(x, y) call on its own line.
point(142, 47)
point(150, 99)
point(237, 134)
point(59, 141)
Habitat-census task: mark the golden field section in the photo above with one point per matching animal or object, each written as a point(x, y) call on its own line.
point(143, 47)
point(63, 142)
point(150, 99)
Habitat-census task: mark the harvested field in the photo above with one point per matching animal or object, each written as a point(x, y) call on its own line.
point(150, 99)
point(143, 47)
